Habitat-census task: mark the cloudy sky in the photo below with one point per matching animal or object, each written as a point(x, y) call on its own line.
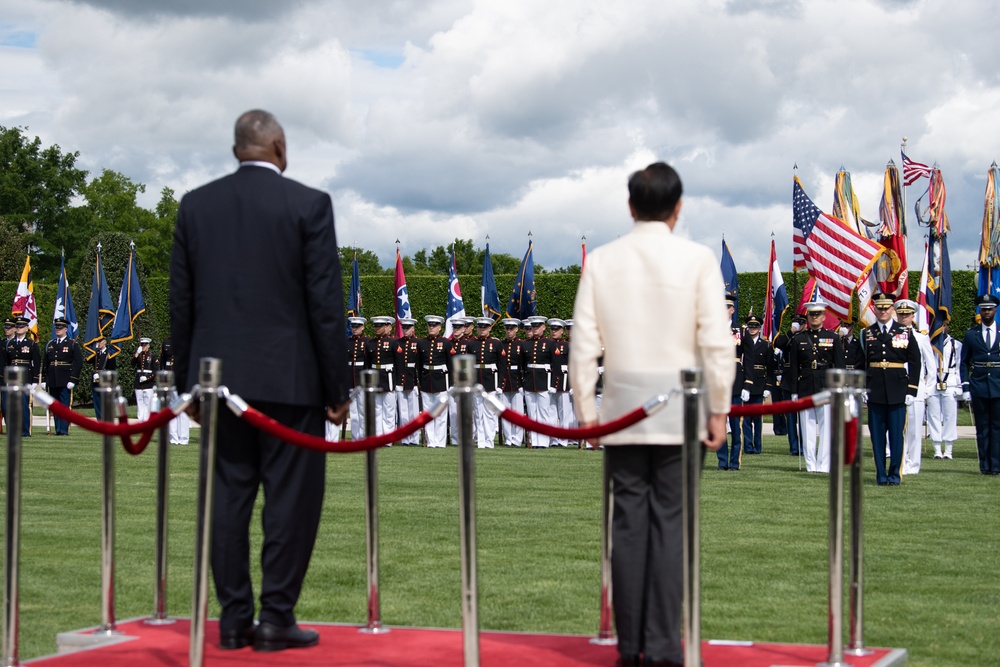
point(428, 120)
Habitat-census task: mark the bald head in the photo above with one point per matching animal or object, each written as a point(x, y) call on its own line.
point(259, 136)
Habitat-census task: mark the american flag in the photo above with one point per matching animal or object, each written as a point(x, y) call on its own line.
point(913, 171)
point(835, 255)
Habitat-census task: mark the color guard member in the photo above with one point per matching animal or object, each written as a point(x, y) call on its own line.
point(433, 357)
point(758, 374)
point(179, 430)
point(914, 438)
point(101, 361)
point(356, 360)
point(146, 365)
point(511, 394)
point(942, 403)
point(731, 453)
point(562, 400)
point(490, 366)
point(783, 352)
point(61, 366)
point(407, 389)
point(536, 362)
point(379, 356)
point(981, 383)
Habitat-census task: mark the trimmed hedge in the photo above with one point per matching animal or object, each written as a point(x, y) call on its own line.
point(428, 295)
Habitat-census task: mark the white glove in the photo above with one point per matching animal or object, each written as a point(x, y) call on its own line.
point(795, 397)
point(31, 387)
point(97, 377)
point(70, 385)
point(745, 395)
point(909, 400)
point(498, 391)
point(864, 398)
point(767, 393)
point(966, 396)
point(777, 352)
point(43, 386)
point(552, 390)
point(955, 391)
point(142, 378)
point(571, 391)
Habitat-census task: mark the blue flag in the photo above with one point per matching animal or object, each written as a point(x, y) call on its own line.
point(130, 306)
point(490, 296)
point(101, 312)
point(354, 296)
point(732, 281)
point(522, 297)
point(456, 306)
point(938, 293)
point(64, 304)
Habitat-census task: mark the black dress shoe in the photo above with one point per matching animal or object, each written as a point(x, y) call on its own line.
point(234, 639)
point(628, 661)
point(270, 637)
point(661, 662)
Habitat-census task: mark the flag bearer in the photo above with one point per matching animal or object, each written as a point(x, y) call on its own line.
point(433, 356)
point(512, 394)
point(22, 350)
point(562, 400)
point(729, 454)
point(61, 366)
point(490, 365)
point(356, 360)
point(536, 364)
point(407, 391)
point(914, 438)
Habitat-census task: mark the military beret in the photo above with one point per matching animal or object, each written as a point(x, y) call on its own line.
point(753, 321)
point(433, 319)
point(987, 300)
point(905, 306)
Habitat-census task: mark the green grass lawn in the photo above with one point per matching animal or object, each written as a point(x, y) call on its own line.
point(932, 546)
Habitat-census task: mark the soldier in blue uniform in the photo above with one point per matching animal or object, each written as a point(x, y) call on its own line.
point(356, 360)
point(101, 361)
point(813, 352)
point(783, 352)
point(433, 357)
point(22, 350)
point(980, 368)
point(61, 366)
point(758, 381)
point(892, 367)
point(854, 356)
point(8, 332)
point(730, 454)
point(379, 353)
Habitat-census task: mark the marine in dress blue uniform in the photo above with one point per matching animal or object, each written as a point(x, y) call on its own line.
point(22, 350)
point(562, 399)
point(61, 366)
point(980, 368)
point(892, 366)
point(758, 381)
point(536, 364)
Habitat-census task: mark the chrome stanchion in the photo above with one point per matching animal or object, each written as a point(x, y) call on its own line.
point(463, 374)
point(209, 380)
point(15, 377)
point(606, 633)
point(369, 384)
point(164, 387)
point(691, 516)
point(108, 391)
point(856, 635)
point(836, 381)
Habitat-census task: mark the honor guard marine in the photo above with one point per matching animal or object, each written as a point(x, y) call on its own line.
point(536, 364)
point(379, 356)
point(61, 366)
point(22, 351)
point(892, 366)
point(980, 367)
point(814, 351)
point(562, 400)
point(356, 361)
point(433, 358)
point(490, 365)
point(512, 394)
point(179, 431)
point(407, 391)
point(146, 365)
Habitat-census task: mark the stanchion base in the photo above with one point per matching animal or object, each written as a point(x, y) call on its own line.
point(833, 664)
point(604, 641)
point(374, 630)
point(858, 651)
point(160, 621)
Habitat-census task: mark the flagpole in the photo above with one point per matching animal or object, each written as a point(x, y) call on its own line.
point(902, 194)
point(795, 273)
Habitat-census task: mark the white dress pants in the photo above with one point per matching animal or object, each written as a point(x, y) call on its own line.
point(913, 438)
point(144, 403)
point(485, 421)
point(942, 417)
point(814, 428)
point(539, 406)
point(407, 409)
point(513, 435)
point(437, 428)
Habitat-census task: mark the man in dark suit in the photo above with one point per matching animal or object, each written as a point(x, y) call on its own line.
point(892, 368)
point(980, 368)
point(254, 247)
point(61, 368)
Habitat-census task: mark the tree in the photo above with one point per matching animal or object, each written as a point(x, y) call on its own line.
point(155, 242)
point(37, 187)
point(368, 264)
point(13, 247)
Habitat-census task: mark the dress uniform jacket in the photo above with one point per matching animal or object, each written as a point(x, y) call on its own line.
point(536, 364)
point(783, 342)
point(980, 367)
point(740, 378)
point(560, 365)
point(167, 355)
point(813, 351)
point(62, 363)
point(854, 355)
point(102, 361)
point(433, 363)
point(892, 364)
point(490, 363)
point(356, 358)
point(380, 356)
point(405, 360)
point(758, 365)
point(510, 377)
point(24, 353)
point(145, 366)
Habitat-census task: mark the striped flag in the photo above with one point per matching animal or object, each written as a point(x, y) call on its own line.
point(837, 257)
point(924, 317)
point(913, 171)
point(776, 300)
point(24, 299)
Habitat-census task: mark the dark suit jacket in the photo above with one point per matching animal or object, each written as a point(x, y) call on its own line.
point(980, 381)
point(758, 366)
point(890, 386)
point(255, 281)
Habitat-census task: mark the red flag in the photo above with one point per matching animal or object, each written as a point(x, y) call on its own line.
point(24, 299)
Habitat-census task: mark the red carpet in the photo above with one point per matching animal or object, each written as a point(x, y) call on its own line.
point(343, 645)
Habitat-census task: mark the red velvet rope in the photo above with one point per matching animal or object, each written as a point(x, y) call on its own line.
point(155, 421)
point(597, 431)
point(133, 448)
point(851, 436)
point(779, 408)
point(258, 419)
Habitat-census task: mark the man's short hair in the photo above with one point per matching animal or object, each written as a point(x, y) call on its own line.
point(654, 191)
point(255, 128)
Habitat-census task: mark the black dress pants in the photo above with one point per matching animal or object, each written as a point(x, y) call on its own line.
point(647, 552)
point(293, 480)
